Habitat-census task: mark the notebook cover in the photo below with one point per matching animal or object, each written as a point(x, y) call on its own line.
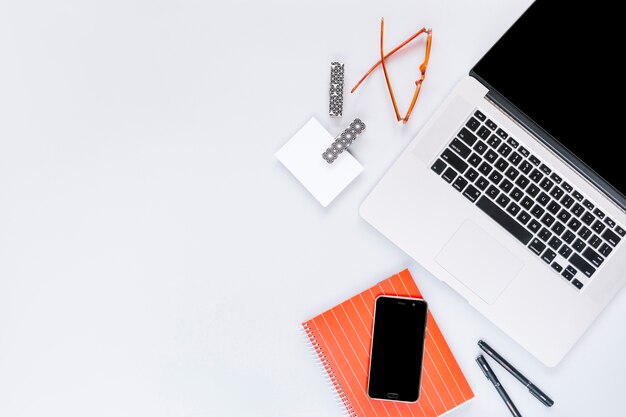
point(341, 338)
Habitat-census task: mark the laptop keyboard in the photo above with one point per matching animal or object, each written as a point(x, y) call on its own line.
point(525, 196)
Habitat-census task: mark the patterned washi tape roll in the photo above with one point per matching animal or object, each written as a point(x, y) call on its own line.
point(344, 140)
point(335, 107)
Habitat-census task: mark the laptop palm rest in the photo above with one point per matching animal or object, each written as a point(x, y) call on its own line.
point(479, 262)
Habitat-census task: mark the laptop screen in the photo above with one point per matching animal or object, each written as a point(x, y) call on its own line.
point(556, 64)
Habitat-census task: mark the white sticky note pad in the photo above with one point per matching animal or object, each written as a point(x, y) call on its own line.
point(302, 155)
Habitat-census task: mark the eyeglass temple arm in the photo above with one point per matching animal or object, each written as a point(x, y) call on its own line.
point(393, 51)
point(418, 83)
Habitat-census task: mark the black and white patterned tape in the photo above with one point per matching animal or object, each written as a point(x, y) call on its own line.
point(344, 140)
point(335, 107)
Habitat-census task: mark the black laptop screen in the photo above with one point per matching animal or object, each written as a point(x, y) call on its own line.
point(558, 65)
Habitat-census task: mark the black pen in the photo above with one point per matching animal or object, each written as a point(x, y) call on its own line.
point(494, 380)
point(540, 395)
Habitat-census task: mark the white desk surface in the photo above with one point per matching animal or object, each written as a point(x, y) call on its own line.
point(156, 259)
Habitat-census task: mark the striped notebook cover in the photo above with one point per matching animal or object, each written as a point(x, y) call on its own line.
point(341, 338)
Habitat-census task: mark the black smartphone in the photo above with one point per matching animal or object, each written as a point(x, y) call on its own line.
point(397, 348)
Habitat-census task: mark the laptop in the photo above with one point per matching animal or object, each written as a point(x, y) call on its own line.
point(513, 193)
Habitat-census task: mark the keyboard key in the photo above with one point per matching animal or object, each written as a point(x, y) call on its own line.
point(503, 200)
point(501, 165)
point(544, 234)
point(483, 132)
point(506, 186)
point(502, 133)
point(511, 173)
point(515, 158)
point(517, 194)
point(571, 270)
point(557, 193)
point(471, 193)
point(525, 167)
point(564, 215)
point(491, 125)
point(527, 203)
point(567, 187)
point(537, 246)
point(567, 201)
point(578, 209)
point(504, 150)
point(546, 184)
point(495, 177)
point(523, 151)
point(558, 228)
point(513, 209)
point(587, 218)
point(565, 251)
point(459, 183)
point(449, 175)
point(555, 177)
point(454, 161)
point(611, 237)
point(485, 168)
point(557, 267)
point(555, 242)
point(598, 226)
point(493, 191)
point(568, 236)
point(545, 169)
point(537, 211)
point(480, 116)
point(577, 284)
point(480, 147)
point(593, 257)
point(522, 182)
point(494, 141)
point(584, 233)
point(574, 224)
point(610, 222)
point(588, 204)
point(532, 190)
point(460, 148)
point(536, 175)
point(534, 160)
point(620, 231)
point(534, 226)
point(578, 196)
point(471, 174)
point(579, 245)
point(491, 156)
point(605, 250)
point(512, 142)
point(595, 241)
point(439, 166)
point(582, 265)
point(466, 136)
point(548, 256)
point(472, 124)
point(482, 183)
point(554, 207)
point(543, 199)
point(547, 219)
point(523, 217)
point(504, 220)
point(599, 213)
point(474, 160)
point(567, 275)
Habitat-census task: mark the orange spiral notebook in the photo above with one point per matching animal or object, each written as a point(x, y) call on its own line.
point(341, 339)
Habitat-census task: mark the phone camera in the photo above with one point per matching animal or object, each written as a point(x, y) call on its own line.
point(413, 304)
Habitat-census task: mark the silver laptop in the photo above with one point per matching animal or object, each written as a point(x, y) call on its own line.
point(513, 193)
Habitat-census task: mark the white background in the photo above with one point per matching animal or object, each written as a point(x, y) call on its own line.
point(156, 259)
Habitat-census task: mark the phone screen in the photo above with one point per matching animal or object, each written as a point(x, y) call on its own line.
point(397, 348)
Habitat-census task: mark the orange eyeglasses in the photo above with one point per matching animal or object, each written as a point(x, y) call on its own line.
point(383, 57)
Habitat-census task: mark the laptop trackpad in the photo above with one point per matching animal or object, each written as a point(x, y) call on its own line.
point(479, 261)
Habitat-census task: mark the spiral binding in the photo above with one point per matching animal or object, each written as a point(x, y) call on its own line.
point(329, 375)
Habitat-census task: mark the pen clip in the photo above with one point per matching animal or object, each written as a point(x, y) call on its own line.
point(480, 359)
